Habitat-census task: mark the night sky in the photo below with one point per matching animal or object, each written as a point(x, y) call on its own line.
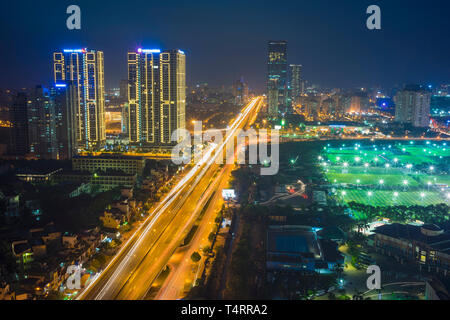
point(226, 39)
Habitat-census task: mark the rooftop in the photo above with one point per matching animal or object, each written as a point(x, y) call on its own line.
point(301, 240)
point(109, 157)
point(439, 241)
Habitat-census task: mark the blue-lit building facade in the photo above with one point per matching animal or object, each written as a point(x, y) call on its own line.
point(45, 125)
point(42, 124)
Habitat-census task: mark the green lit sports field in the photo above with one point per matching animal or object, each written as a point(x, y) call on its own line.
point(388, 173)
point(385, 198)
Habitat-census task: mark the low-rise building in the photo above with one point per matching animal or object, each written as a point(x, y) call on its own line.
point(103, 180)
point(113, 218)
point(11, 200)
point(6, 293)
point(36, 176)
point(427, 245)
point(320, 197)
point(69, 240)
point(104, 162)
point(127, 192)
point(298, 248)
point(83, 188)
point(22, 250)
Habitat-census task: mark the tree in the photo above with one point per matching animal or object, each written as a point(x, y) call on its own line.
point(206, 250)
point(331, 296)
point(195, 257)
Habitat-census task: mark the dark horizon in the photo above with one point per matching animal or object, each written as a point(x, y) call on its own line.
point(224, 41)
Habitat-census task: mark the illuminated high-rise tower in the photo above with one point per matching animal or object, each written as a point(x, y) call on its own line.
point(84, 70)
point(412, 105)
point(156, 96)
point(42, 124)
point(295, 79)
point(277, 77)
point(64, 98)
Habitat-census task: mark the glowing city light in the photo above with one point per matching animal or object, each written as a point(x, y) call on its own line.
point(74, 50)
point(140, 50)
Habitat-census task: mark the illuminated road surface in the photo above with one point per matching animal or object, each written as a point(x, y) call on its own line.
point(140, 260)
point(181, 270)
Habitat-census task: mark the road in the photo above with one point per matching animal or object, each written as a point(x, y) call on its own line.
point(140, 260)
point(181, 273)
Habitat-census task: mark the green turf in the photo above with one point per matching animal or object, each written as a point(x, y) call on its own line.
point(371, 162)
point(387, 198)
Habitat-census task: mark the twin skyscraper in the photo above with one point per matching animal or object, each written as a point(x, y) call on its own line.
point(156, 97)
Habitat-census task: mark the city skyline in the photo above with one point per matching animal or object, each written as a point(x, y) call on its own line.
point(225, 151)
point(385, 57)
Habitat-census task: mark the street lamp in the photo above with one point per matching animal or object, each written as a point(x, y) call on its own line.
point(409, 166)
